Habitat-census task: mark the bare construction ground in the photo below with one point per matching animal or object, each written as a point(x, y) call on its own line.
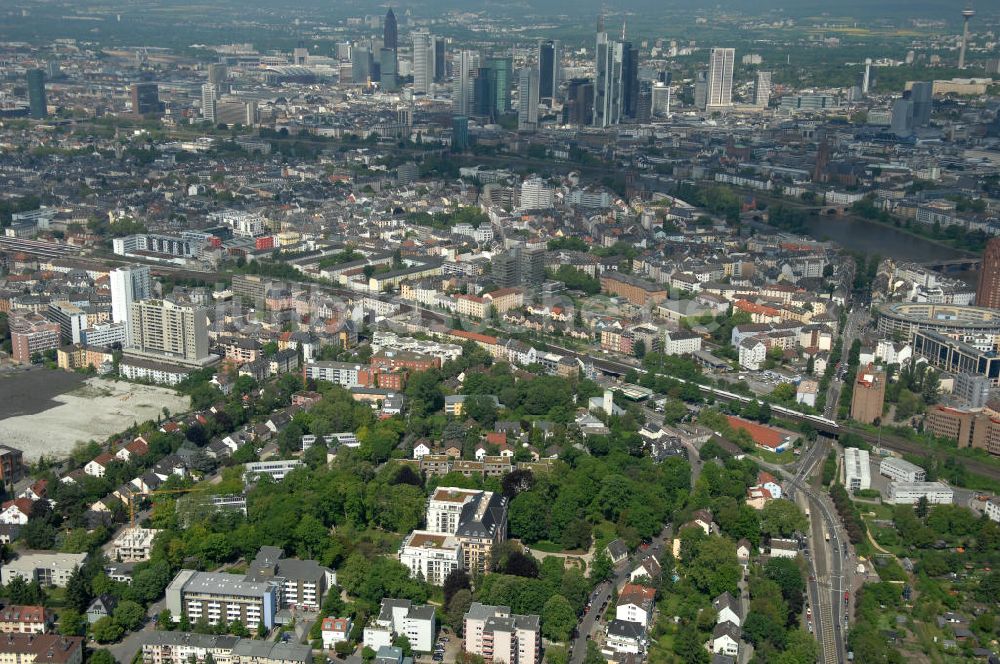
point(45, 412)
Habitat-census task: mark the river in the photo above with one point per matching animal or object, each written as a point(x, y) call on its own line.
point(870, 238)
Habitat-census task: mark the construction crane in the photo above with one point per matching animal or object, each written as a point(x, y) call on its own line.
point(132, 499)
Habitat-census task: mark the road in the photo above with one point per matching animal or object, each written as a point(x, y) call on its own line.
point(601, 594)
point(856, 322)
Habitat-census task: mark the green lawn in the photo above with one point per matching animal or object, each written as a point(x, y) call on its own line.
point(779, 459)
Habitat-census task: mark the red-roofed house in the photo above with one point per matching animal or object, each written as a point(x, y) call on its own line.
point(23, 619)
point(136, 448)
point(335, 630)
point(16, 512)
point(767, 438)
point(97, 466)
point(635, 604)
point(36, 491)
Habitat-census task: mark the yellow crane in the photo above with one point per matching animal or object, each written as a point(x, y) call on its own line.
point(132, 499)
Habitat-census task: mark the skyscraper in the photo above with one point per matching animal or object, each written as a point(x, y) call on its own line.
point(145, 98)
point(701, 89)
point(462, 96)
point(644, 104)
point(209, 99)
point(390, 35)
point(128, 285)
point(922, 96)
point(762, 89)
point(459, 133)
point(902, 117)
point(387, 62)
point(217, 75)
point(720, 78)
point(483, 89)
point(503, 77)
point(988, 292)
point(608, 81)
point(630, 80)
point(579, 107)
point(361, 65)
point(37, 105)
point(548, 69)
point(423, 62)
point(440, 68)
point(527, 110)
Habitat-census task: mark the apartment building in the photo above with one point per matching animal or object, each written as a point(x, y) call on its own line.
point(170, 331)
point(11, 464)
point(218, 597)
point(345, 374)
point(303, 582)
point(868, 397)
point(431, 556)
point(31, 333)
point(500, 637)
point(19, 619)
point(160, 647)
point(41, 649)
point(400, 617)
point(637, 291)
point(49, 568)
point(477, 519)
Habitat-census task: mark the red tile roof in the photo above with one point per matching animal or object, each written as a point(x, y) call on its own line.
point(762, 435)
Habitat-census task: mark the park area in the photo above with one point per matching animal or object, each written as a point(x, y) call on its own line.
point(46, 413)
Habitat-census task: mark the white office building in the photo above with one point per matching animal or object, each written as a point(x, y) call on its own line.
point(423, 62)
point(901, 471)
point(276, 470)
point(909, 493)
point(857, 469)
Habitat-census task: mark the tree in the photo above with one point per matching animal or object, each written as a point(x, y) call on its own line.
point(403, 643)
point(72, 623)
point(129, 615)
point(78, 594)
point(526, 517)
point(456, 580)
point(782, 518)
point(101, 656)
point(107, 630)
point(458, 607)
point(639, 348)
point(481, 408)
point(922, 507)
point(558, 619)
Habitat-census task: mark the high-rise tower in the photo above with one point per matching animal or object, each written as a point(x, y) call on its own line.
point(390, 34)
point(37, 105)
point(967, 14)
point(988, 293)
point(548, 69)
point(720, 77)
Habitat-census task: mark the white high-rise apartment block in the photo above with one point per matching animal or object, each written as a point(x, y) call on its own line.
point(466, 67)
point(720, 77)
point(527, 112)
point(209, 98)
point(423, 61)
point(167, 330)
point(536, 195)
point(128, 284)
point(762, 89)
